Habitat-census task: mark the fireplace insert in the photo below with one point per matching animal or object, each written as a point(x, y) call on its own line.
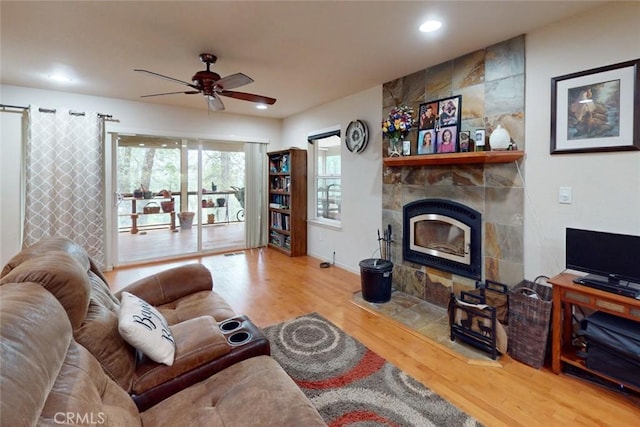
point(443, 234)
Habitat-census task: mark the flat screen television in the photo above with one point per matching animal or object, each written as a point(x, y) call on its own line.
point(611, 260)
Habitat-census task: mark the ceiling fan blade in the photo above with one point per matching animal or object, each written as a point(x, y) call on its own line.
point(215, 103)
point(233, 81)
point(166, 78)
point(247, 97)
point(189, 92)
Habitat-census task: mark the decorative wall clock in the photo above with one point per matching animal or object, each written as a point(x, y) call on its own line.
point(357, 136)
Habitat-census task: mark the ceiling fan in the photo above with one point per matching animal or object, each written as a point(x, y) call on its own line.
point(212, 86)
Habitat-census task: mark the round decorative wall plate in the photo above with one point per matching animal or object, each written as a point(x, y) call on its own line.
point(357, 136)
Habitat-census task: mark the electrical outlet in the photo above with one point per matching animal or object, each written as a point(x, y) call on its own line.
point(564, 195)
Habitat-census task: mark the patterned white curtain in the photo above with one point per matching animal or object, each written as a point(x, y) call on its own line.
point(64, 179)
point(255, 206)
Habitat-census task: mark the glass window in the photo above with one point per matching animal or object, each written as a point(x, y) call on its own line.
point(146, 165)
point(328, 166)
point(222, 170)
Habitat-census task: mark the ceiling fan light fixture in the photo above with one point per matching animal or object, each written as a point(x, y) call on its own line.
point(261, 106)
point(212, 86)
point(430, 26)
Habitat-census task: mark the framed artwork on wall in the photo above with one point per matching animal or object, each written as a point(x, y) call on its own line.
point(596, 110)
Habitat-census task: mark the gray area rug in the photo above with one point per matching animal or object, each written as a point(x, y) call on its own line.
point(351, 385)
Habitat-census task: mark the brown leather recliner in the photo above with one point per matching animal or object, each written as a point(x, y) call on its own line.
point(184, 295)
point(47, 378)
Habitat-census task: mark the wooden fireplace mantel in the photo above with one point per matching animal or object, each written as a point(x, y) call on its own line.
point(455, 158)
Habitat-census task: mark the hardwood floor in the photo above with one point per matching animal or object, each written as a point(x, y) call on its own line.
point(163, 243)
point(270, 288)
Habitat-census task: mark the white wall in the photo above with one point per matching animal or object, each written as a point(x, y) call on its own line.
point(160, 119)
point(606, 186)
point(133, 116)
point(361, 178)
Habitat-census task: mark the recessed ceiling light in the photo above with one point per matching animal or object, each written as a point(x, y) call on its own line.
point(261, 107)
point(430, 26)
point(60, 78)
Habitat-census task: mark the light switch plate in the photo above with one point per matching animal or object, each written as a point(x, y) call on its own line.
point(564, 195)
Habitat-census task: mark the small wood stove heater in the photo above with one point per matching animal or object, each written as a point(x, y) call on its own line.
point(443, 234)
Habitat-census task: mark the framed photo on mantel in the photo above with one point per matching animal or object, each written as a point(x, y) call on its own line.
point(596, 110)
point(439, 125)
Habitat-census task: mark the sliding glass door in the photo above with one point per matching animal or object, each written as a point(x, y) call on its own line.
point(216, 183)
point(177, 197)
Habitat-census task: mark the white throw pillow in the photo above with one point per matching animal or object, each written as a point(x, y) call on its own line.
point(142, 326)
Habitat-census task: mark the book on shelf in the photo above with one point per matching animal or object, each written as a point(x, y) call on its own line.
point(281, 183)
point(280, 240)
point(280, 221)
point(279, 164)
point(279, 201)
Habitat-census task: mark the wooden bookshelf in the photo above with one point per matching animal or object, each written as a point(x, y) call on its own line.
point(477, 157)
point(288, 201)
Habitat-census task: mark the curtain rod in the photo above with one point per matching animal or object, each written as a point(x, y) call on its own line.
point(107, 117)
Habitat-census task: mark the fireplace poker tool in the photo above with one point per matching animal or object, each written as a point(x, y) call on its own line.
point(388, 251)
point(383, 251)
point(386, 238)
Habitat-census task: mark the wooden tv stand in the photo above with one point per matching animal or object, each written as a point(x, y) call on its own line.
point(567, 294)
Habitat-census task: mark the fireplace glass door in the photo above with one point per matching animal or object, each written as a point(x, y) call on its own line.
point(441, 236)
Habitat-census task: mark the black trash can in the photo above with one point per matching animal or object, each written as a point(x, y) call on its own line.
point(375, 277)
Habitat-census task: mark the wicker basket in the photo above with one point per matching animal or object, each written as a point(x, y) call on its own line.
point(529, 316)
point(151, 208)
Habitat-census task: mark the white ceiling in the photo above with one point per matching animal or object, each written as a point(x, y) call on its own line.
point(304, 53)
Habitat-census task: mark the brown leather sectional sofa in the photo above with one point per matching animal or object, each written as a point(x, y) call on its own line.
point(65, 363)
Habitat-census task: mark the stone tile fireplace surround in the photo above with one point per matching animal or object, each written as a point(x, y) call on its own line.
point(491, 82)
